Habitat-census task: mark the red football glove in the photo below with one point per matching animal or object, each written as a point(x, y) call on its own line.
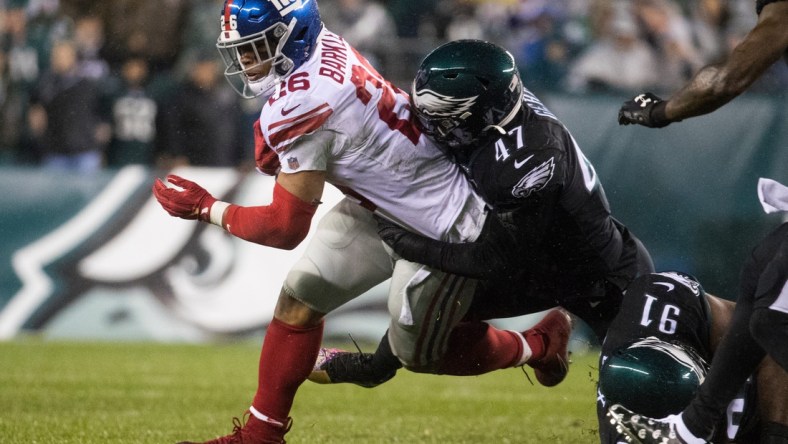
point(192, 202)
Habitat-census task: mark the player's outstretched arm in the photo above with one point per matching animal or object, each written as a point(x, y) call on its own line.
point(489, 256)
point(717, 84)
point(283, 224)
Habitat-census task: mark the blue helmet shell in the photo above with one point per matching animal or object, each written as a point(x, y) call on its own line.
point(255, 16)
point(283, 32)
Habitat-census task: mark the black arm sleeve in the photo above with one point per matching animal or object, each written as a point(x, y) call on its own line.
point(490, 256)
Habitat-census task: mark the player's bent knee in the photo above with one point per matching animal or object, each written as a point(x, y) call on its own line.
point(412, 363)
point(291, 311)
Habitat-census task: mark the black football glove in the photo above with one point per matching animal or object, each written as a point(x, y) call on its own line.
point(490, 256)
point(391, 233)
point(646, 109)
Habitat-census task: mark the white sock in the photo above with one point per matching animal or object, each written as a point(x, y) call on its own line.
point(256, 413)
point(683, 431)
point(527, 352)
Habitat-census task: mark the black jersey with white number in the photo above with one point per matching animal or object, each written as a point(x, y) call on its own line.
point(545, 190)
point(672, 306)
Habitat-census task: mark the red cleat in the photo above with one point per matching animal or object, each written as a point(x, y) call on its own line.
point(555, 329)
point(254, 431)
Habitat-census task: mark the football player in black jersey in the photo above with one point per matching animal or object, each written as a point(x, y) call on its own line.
point(759, 327)
point(717, 84)
point(553, 242)
point(761, 322)
point(655, 356)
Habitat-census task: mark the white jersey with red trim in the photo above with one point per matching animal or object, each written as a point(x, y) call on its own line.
point(337, 114)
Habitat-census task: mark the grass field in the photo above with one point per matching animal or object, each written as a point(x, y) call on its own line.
point(55, 392)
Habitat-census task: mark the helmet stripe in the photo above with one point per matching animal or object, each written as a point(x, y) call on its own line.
point(227, 25)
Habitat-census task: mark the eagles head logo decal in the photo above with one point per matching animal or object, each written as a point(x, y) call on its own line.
point(683, 279)
point(438, 105)
point(534, 180)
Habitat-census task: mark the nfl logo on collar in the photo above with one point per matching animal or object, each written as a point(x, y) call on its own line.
point(292, 162)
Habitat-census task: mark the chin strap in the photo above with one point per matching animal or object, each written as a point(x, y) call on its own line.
point(507, 119)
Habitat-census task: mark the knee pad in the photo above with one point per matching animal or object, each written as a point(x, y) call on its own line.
point(409, 359)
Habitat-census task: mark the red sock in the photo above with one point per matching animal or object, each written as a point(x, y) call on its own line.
point(476, 348)
point(535, 340)
point(287, 358)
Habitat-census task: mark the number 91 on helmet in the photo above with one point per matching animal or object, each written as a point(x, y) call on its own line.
point(263, 41)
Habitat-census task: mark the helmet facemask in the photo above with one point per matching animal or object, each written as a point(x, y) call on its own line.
point(460, 134)
point(246, 58)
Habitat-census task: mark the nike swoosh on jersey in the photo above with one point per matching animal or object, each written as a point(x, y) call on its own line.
point(285, 131)
point(518, 165)
point(667, 285)
point(288, 111)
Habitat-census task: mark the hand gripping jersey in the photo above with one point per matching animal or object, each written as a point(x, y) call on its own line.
point(336, 114)
point(672, 307)
point(543, 187)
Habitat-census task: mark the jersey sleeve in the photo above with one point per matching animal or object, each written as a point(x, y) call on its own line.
point(266, 160)
point(285, 122)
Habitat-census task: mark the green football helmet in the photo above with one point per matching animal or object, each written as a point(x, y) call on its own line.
point(652, 377)
point(464, 91)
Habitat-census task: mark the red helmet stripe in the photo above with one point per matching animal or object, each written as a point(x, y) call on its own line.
point(227, 15)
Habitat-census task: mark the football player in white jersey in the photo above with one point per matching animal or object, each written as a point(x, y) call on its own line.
point(329, 117)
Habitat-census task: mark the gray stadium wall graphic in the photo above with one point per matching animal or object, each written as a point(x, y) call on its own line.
point(97, 258)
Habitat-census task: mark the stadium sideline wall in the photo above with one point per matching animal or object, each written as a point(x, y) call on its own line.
point(95, 257)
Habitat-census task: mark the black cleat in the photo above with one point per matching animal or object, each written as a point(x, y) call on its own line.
point(639, 429)
point(335, 366)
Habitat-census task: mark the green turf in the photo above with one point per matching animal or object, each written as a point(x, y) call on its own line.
point(54, 392)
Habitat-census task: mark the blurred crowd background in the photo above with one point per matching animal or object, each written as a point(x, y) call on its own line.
point(90, 85)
